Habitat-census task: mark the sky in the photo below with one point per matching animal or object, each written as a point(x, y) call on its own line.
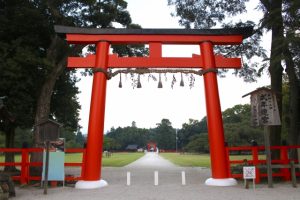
point(149, 105)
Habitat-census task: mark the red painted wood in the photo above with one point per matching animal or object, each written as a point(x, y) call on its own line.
point(25, 177)
point(146, 39)
point(93, 157)
point(284, 157)
point(219, 162)
point(284, 174)
point(256, 163)
point(153, 62)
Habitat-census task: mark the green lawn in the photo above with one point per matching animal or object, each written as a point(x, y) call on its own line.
point(122, 159)
point(115, 160)
point(188, 160)
point(17, 158)
point(198, 160)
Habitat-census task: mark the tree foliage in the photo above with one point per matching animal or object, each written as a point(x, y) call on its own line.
point(237, 128)
point(238, 131)
point(33, 58)
point(193, 135)
point(189, 130)
point(282, 18)
point(85, 13)
point(165, 135)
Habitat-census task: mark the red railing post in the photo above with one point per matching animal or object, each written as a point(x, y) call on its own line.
point(228, 160)
point(256, 163)
point(284, 158)
point(24, 167)
point(83, 163)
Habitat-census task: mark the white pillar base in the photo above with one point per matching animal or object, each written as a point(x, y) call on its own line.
point(221, 182)
point(90, 184)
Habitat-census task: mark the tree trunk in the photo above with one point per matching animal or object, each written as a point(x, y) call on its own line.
point(9, 143)
point(276, 68)
point(294, 99)
point(58, 62)
point(44, 100)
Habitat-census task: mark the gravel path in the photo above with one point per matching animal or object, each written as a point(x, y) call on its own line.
point(142, 186)
point(151, 160)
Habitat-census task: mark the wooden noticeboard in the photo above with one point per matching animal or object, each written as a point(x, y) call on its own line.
point(56, 170)
point(264, 108)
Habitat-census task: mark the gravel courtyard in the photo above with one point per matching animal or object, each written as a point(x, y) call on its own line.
point(169, 185)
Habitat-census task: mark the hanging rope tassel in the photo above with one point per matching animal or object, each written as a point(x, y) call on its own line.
point(139, 85)
point(181, 81)
point(159, 82)
point(120, 82)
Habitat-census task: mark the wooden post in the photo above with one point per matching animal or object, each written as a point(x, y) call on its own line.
point(228, 161)
point(83, 163)
point(128, 179)
point(155, 178)
point(24, 167)
point(284, 157)
point(268, 154)
point(293, 173)
point(183, 179)
point(46, 167)
point(255, 163)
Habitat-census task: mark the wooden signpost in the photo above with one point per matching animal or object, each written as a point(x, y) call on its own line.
point(48, 133)
point(264, 112)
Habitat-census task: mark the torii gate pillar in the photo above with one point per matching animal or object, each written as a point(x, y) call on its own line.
point(219, 165)
point(93, 160)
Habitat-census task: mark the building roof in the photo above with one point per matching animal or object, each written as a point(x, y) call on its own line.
point(132, 147)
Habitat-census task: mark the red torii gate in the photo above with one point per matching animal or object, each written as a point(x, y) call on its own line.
point(101, 61)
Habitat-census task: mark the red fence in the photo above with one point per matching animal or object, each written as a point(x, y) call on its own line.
point(25, 163)
point(260, 163)
point(252, 152)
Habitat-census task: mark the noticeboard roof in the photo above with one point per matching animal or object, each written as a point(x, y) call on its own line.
point(45, 121)
point(258, 90)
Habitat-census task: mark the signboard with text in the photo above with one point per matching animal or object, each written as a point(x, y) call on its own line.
point(249, 172)
point(264, 108)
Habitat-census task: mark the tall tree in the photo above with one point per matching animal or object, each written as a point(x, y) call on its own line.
point(165, 135)
point(128, 135)
point(33, 57)
point(190, 129)
point(237, 128)
point(282, 18)
point(21, 62)
point(86, 13)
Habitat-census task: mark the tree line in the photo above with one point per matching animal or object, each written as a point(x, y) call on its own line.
point(191, 137)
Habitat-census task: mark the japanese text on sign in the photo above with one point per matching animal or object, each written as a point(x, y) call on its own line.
point(264, 109)
point(249, 172)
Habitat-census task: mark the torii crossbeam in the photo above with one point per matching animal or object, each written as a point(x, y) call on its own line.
point(155, 38)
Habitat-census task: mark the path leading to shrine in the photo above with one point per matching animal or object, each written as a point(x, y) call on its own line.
point(151, 160)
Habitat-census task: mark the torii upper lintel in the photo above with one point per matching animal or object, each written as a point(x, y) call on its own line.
point(155, 38)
